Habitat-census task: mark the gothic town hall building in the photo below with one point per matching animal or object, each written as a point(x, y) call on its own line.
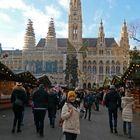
point(104, 56)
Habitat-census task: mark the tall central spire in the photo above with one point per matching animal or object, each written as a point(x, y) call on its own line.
point(75, 24)
point(101, 35)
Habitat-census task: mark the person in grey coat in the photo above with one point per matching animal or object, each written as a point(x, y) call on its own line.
point(127, 112)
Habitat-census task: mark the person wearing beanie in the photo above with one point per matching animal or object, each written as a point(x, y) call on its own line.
point(127, 112)
point(70, 115)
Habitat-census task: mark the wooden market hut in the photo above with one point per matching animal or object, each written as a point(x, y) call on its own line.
point(7, 82)
point(107, 82)
point(132, 75)
point(26, 78)
point(44, 80)
point(116, 80)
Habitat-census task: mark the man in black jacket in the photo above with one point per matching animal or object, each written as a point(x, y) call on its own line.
point(113, 102)
point(40, 100)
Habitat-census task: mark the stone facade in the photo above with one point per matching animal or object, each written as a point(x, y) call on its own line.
point(97, 57)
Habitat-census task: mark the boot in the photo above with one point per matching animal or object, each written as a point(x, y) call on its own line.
point(50, 121)
point(124, 130)
point(129, 133)
point(111, 130)
point(53, 122)
point(13, 130)
point(115, 131)
point(19, 130)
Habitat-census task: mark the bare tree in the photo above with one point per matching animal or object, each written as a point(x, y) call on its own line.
point(134, 30)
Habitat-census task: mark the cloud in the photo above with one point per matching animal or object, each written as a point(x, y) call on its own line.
point(64, 4)
point(5, 18)
point(111, 3)
point(63, 30)
point(40, 21)
point(14, 4)
point(16, 41)
point(53, 11)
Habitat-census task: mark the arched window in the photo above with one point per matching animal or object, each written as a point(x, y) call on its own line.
point(94, 70)
point(117, 67)
point(75, 31)
point(84, 66)
point(89, 69)
point(107, 67)
point(113, 69)
point(89, 85)
point(124, 66)
point(84, 86)
point(101, 67)
point(94, 67)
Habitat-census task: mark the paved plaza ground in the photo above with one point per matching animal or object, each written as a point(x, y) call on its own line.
point(96, 129)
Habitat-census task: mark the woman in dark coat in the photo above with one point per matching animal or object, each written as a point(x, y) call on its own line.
point(18, 98)
point(53, 102)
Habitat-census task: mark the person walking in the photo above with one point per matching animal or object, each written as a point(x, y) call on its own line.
point(40, 100)
point(70, 115)
point(113, 102)
point(53, 103)
point(127, 112)
point(88, 102)
point(18, 99)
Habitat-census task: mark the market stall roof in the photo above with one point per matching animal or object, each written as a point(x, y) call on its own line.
point(133, 72)
point(6, 73)
point(107, 81)
point(26, 77)
point(44, 80)
point(116, 80)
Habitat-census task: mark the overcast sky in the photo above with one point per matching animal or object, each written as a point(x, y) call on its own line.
point(14, 15)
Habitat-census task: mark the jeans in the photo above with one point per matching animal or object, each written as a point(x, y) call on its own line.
point(39, 116)
point(128, 124)
point(112, 118)
point(88, 111)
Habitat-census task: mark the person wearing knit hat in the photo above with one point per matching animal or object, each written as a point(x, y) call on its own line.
point(71, 94)
point(70, 115)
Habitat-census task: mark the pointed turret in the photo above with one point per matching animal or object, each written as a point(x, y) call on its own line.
point(124, 42)
point(101, 35)
point(51, 36)
point(51, 30)
point(75, 24)
point(29, 39)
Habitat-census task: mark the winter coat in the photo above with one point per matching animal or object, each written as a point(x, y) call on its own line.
point(18, 93)
point(40, 99)
point(88, 101)
point(53, 102)
point(71, 123)
point(113, 100)
point(127, 112)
